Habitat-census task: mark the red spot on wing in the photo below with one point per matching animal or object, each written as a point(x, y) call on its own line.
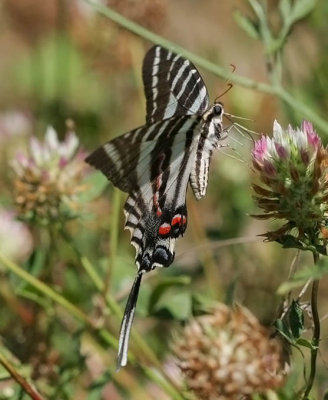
point(156, 205)
point(164, 229)
point(178, 219)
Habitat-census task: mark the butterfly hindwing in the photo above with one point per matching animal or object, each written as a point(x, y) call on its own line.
point(173, 86)
point(156, 212)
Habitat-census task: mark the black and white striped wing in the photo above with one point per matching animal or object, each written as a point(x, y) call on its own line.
point(127, 160)
point(173, 86)
point(153, 164)
point(156, 211)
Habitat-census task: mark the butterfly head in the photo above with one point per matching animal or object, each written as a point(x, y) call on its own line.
point(214, 113)
point(217, 109)
point(213, 119)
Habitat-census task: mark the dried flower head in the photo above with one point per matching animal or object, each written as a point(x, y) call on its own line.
point(16, 241)
point(48, 177)
point(292, 169)
point(228, 355)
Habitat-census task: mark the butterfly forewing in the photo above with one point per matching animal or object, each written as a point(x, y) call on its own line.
point(129, 161)
point(173, 86)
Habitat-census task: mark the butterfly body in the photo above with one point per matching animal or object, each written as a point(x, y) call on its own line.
point(155, 163)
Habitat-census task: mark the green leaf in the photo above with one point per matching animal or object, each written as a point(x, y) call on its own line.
point(285, 9)
point(174, 306)
point(301, 277)
point(296, 319)
point(248, 25)
point(290, 242)
point(321, 249)
point(163, 287)
point(305, 343)
point(284, 330)
point(301, 9)
point(287, 286)
point(201, 304)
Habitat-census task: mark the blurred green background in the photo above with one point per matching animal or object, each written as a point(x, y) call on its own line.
point(61, 60)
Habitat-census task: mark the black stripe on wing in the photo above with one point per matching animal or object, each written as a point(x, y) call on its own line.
point(173, 86)
point(126, 160)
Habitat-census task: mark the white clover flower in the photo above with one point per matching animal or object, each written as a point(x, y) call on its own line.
point(292, 169)
point(48, 176)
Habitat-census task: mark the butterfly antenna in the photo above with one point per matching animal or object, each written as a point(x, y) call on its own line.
point(230, 86)
point(123, 344)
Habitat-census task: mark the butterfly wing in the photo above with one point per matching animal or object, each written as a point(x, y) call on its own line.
point(153, 164)
point(156, 212)
point(118, 158)
point(156, 173)
point(173, 86)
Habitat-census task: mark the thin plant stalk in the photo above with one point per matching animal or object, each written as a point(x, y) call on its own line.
point(23, 383)
point(316, 333)
point(45, 289)
point(273, 88)
point(113, 237)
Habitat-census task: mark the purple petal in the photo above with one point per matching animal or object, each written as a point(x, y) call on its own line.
point(260, 148)
point(268, 168)
point(312, 136)
point(282, 152)
point(305, 156)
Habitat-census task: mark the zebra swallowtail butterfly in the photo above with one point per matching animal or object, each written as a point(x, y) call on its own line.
point(155, 163)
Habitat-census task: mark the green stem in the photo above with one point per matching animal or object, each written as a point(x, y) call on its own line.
point(114, 232)
point(26, 386)
point(275, 90)
point(43, 288)
point(316, 333)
